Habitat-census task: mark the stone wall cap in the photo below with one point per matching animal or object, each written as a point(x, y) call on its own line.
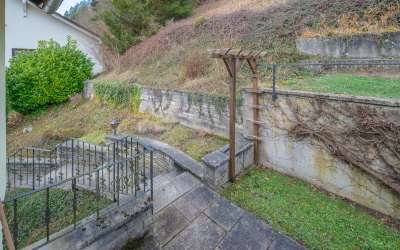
point(333, 97)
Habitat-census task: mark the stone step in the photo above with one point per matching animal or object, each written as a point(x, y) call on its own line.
point(133, 217)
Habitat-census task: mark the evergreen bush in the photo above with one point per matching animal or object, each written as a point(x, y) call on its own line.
point(46, 76)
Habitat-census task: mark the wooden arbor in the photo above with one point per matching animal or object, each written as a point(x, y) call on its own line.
point(233, 59)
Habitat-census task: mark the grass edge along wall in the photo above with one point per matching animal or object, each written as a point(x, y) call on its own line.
point(308, 158)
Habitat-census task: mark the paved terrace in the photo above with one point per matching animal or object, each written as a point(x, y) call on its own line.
point(189, 215)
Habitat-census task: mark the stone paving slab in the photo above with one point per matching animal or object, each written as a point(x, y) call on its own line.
point(203, 233)
point(282, 242)
point(193, 203)
point(168, 223)
point(248, 233)
point(201, 219)
point(224, 213)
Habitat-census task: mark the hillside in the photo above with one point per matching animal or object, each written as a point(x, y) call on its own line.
point(176, 56)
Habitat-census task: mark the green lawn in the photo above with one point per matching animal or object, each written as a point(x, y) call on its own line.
point(312, 217)
point(31, 212)
point(347, 84)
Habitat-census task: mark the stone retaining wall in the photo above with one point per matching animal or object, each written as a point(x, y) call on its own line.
point(348, 65)
point(198, 111)
point(310, 159)
point(359, 46)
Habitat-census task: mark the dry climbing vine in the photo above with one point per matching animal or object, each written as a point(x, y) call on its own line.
point(364, 137)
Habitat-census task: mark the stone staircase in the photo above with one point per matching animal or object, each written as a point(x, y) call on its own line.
point(132, 219)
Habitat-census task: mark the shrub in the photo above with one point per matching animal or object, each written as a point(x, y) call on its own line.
point(119, 93)
point(129, 21)
point(196, 65)
point(165, 10)
point(46, 76)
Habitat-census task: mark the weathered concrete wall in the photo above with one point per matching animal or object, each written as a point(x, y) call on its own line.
point(309, 159)
point(361, 46)
point(199, 111)
point(349, 65)
point(217, 162)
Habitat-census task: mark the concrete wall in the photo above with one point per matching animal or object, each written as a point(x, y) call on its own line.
point(24, 32)
point(361, 46)
point(199, 111)
point(308, 159)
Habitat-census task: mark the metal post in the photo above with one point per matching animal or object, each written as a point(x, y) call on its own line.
point(232, 120)
point(97, 194)
point(274, 96)
point(74, 203)
point(118, 182)
point(8, 174)
point(33, 170)
point(144, 170)
point(151, 175)
point(47, 215)
point(114, 155)
point(72, 159)
point(15, 226)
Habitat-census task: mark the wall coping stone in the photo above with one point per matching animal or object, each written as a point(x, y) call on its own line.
point(217, 158)
point(333, 97)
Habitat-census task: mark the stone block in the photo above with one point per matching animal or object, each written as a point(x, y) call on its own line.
point(216, 163)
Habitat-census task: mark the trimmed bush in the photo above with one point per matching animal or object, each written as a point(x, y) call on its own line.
point(46, 76)
point(119, 93)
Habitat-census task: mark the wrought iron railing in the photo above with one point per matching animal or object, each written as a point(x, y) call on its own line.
point(123, 169)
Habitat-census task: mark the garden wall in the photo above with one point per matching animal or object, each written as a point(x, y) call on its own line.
point(349, 146)
point(358, 46)
point(345, 145)
point(199, 111)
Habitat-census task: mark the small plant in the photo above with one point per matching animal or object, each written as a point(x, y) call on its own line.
point(119, 93)
point(46, 76)
point(199, 21)
point(196, 65)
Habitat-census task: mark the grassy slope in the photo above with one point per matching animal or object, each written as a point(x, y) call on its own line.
point(164, 59)
point(310, 216)
point(347, 84)
point(31, 212)
point(89, 120)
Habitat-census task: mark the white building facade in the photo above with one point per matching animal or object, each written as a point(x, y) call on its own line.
point(26, 24)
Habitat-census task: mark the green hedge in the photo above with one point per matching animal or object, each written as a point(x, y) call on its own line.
point(46, 76)
point(119, 93)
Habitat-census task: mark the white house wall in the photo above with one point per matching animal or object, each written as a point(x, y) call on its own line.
point(24, 32)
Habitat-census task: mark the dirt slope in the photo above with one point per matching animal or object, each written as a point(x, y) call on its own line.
point(176, 56)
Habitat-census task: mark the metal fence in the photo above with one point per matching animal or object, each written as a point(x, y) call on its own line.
point(112, 173)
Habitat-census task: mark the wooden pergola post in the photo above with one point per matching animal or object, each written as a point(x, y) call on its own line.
point(6, 230)
point(232, 60)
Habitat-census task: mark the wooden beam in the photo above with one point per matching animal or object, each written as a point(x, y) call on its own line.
point(256, 112)
point(228, 67)
point(235, 53)
point(232, 120)
point(6, 229)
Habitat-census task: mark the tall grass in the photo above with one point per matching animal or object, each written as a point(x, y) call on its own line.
point(119, 93)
